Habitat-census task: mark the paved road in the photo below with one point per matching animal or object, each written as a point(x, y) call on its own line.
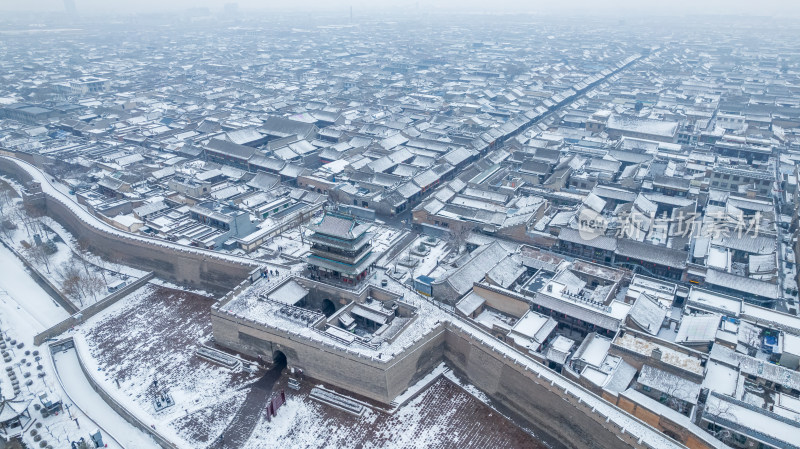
point(254, 405)
point(117, 431)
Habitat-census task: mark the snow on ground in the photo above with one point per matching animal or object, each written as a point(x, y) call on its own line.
point(203, 425)
point(433, 263)
point(429, 263)
point(441, 416)
point(413, 390)
point(25, 310)
point(17, 286)
point(170, 285)
point(152, 334)
point(753, 399)
point(290, 243)
point(384, 237)
point(469, 388)
point(95, 272)
point(81, 392)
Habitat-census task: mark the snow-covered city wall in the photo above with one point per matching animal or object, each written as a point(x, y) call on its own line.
point(90, 311)
point(190, 266)
point(553, 405)
point(110, 401)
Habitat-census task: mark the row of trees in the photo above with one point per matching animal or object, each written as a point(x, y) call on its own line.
point(81, 278)
point(82, 283)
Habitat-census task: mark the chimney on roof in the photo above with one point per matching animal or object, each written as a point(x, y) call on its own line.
point(656, 354)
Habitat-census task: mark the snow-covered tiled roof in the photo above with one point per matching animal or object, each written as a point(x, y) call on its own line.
point(741, 284)
point(698, 328)
point(647, 313)
point(671, 384)
point(462, 279)
point(470, 303)
point(593, 349)
point(289, 293)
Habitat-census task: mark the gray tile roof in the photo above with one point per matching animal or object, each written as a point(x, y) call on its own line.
point(227, 148)
point(647, 314)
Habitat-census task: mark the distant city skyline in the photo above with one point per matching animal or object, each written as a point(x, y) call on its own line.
point(250, 223)
point(617, 7)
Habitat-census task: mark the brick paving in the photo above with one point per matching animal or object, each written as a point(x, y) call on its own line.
point(154, 333)
point(246, 418)
point(443, 416)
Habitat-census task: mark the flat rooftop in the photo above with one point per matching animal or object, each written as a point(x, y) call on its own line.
point(251, 305)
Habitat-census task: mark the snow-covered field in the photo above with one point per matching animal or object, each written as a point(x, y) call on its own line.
point(441, 416)
point(25, 310)
point(19, 289)
point(153, 334)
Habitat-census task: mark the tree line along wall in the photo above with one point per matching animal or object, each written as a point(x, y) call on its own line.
point(90, 311)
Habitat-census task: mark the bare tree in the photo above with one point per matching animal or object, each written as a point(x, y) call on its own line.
point(97, 285)
point(6, 213)
point(81, 284)
point(750, 335)
point(21, 217)
point(100, 263)
point(675, 389)
point(40, 228)
point(721, 410)
point(458, 236)
point(5, 199)
point(39, 255)
point(72, 282)
point(298, 221)
point(88, 259)
point(333, 201)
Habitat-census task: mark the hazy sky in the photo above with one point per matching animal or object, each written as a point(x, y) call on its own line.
point(780, 8)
